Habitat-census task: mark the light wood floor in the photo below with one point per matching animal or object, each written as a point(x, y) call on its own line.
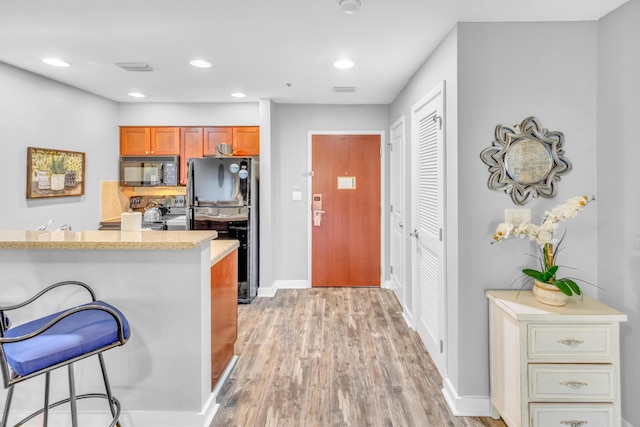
point(332, 357)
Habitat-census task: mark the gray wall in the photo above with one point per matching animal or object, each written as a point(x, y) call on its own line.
point(502, 73)
point(38, 112)
point(507, 72)
point(618, 174)
point(182, 114)
point(442, 65)
point(290, 164)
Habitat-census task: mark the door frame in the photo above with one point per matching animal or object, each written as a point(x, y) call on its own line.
point(383, 201)
point(399, 175)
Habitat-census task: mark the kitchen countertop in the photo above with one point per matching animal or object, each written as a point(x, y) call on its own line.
point(104, 239)
point(222, 248)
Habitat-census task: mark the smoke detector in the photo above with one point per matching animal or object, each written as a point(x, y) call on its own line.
point(349, 6)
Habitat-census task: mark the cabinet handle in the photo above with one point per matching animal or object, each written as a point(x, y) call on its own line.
point(573, 423)
point(574, 384)
point(571, 342)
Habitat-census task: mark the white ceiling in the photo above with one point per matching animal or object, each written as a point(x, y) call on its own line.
point(255, 46)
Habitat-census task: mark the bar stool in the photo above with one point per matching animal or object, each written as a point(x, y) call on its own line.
point(60, 339)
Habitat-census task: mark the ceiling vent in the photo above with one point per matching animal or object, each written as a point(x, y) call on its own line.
point(344, 89)
point(134, 66)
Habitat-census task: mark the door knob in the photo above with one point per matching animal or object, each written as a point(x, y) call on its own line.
point(401, 225)
point(415, 233)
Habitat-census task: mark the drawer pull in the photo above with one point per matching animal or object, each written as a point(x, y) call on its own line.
point(573, 384)
point(571, 342)
point(573, 423)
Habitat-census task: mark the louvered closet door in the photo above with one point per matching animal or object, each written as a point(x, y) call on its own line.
point(428, 222)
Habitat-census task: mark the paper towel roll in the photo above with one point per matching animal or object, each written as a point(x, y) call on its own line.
point(130, 221)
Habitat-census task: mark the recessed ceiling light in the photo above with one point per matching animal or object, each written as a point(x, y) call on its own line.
point(136, 94)
point(55, 62)
point(343, 64)
point(200, 63)
point(349, 6)
point(238, 94)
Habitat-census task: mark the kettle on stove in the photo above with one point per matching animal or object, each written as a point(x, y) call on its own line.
point(152, 212)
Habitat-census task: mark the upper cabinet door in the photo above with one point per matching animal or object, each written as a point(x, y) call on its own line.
point(135, 141)
point(214, 136)
point(190, 147)
point(165, 141)
point(246, 141)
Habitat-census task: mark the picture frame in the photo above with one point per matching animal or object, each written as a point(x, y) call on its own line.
point(526, 160)
point(54, 173)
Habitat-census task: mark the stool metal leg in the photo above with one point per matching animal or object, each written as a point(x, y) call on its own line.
point(7, 405)
point(45, 415)
point(107, 386)
point(72, 397)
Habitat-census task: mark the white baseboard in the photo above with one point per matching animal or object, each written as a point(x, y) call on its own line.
point(291, 284)
point(474, 406)
point(626, 424)
point(386, 284)
point(129, 418)
point(269, 292)
point(408, 318)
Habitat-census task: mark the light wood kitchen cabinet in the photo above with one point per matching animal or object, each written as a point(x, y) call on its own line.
point(214, 136)
point(190, 147)
point(224, 313)
point(246, 141)
point(554, 366)
point(134, 141)
point(149, 141)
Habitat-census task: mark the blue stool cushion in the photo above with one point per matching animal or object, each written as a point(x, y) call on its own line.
point(78, 334)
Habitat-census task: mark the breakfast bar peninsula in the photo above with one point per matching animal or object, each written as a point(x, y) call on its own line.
point(170, 285)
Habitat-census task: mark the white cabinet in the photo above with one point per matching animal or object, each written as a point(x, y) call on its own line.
point(554, 366)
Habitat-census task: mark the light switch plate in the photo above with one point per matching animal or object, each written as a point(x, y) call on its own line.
point(517, 216)
point(297, 195)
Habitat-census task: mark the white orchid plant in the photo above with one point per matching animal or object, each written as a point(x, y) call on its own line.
point(543, 235)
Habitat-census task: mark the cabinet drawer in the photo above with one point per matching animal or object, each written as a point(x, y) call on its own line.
point(571, 415)
point(571, 342)
point(586, 383)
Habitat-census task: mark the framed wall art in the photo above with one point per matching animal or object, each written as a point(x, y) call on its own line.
point(54, 173)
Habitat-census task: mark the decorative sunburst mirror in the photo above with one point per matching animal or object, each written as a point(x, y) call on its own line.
point(526, 160)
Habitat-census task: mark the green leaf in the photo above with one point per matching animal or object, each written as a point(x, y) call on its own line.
point(549, 273)
point(573, 285)
point(560, 284)
point(534, 273)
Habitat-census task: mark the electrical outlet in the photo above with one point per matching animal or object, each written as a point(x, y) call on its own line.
point(517, 216)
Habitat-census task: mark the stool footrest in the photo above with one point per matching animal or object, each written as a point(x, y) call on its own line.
point(114, 402)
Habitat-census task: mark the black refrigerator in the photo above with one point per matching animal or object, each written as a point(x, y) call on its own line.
point(222, 195)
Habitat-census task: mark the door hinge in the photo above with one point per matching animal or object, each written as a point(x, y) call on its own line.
point(391, 269)
point(390, 208)
point(441, 346)
point(440, 235)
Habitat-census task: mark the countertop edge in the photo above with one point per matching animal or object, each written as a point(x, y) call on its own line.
point(105, 240)
point(222, 248)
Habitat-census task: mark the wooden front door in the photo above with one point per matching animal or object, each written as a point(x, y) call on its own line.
point(345, 212)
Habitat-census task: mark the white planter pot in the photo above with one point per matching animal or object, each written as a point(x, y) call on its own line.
point(57, 182)
point(549, 294)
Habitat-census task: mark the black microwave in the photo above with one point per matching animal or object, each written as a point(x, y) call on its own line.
point(149, 171)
